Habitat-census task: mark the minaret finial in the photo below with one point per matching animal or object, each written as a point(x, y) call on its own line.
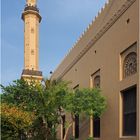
point(31, 2)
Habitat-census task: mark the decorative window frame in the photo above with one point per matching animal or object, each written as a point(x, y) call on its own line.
point(123, 55)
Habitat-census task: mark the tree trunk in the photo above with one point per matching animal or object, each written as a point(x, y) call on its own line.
point(45, 126)
point(71, 123)
point(73, 129)
point(91, 126)
point(61, 127)
point(67, 130)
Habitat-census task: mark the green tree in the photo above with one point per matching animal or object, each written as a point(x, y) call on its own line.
point(94, 104)
point(47, 101)
point(88, 101)
point(43, 99)
point(24, 96)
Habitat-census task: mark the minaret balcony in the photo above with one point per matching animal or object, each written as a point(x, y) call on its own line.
point(30, 7)
point(31, 10)
point(31, 72)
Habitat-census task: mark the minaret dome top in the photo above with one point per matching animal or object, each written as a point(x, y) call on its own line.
point(31, 2)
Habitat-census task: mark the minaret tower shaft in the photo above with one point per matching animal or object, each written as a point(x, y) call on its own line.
point(31, 18)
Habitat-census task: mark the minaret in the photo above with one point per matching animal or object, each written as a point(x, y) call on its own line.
point(31, 18)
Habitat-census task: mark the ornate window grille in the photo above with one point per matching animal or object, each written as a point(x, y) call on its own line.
point(130, 64)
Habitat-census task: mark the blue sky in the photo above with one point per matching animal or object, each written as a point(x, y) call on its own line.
point(62, 23)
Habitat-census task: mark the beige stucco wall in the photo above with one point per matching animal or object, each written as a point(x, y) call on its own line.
point(107, 58)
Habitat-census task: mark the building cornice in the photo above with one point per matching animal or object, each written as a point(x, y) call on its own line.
point(98, 35)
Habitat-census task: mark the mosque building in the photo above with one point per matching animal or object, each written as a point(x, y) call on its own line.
point(106, 55)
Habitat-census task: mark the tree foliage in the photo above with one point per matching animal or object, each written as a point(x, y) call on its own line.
point(43, 99)
point(15, 120)
point(94, 103)
point(46, 101)
point(89, 101)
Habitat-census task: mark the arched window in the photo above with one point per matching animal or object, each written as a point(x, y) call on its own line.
point(130, 64)
point(97, 81)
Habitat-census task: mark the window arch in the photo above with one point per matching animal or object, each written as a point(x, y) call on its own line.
point(97, 81)
point(130, 64)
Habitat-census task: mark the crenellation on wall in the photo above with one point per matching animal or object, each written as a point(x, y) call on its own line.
point(85, 31)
